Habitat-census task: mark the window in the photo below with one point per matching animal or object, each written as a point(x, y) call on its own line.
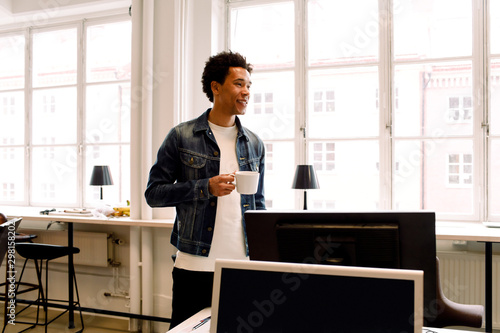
point(324, 156)
point(459, 169)
point(324, 101)
point(263, 103)
point(269, 157)
point(460, 109)
point(395, 102)
point(78, 112)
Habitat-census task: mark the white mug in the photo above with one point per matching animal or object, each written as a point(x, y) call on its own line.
point(246, 181)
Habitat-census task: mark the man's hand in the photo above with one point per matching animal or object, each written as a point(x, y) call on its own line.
point(221, 185)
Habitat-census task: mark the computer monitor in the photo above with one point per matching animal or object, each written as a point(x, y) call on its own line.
point(259, 296)
point(383, 239)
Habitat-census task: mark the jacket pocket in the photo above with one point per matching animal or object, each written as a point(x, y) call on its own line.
point(192, 164)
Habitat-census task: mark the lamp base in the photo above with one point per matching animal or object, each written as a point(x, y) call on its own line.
point(305, 200)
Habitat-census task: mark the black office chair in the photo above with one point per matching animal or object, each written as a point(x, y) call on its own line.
point(41, 253)
point(450, 313)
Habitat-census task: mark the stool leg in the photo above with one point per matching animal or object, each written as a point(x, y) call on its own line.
point(77, 298)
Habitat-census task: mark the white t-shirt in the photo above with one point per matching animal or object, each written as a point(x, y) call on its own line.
point(229, 240)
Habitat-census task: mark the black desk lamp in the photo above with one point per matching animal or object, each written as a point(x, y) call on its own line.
point(305, 179)
point(101, 177)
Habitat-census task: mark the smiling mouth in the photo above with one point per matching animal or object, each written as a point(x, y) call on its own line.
point(244, 102)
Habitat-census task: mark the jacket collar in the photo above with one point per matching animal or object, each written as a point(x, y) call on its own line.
point(202, 125)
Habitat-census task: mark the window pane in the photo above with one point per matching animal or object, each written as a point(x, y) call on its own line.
point(53, 175)
point(118, 159)
point(108, 52)
point(495, 97)
point(12, 113)
point(355, 114)
point(494, 185)
point(108, 113)
point(432, 29)
point(280, 123)
point(12, 175)
point(426, 177)
point(345, 31)
point(54, 58)
point(12, 64)
point(54, 116)
point(428, 94)
point(278, 179)
point(264, 34)
point(353, 182)
point(495, 26)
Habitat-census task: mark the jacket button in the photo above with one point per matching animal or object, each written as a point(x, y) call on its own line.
point(212, 204)
point(204, 251)
point(210, 229)
point(216, 153)
point(191, 161)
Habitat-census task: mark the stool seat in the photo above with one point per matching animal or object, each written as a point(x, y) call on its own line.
point(44, 251)
point(21, 237)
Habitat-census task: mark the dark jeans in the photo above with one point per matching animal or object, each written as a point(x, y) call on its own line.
point(191, 293)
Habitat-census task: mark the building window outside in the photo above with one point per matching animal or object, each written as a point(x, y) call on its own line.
point(459, 109)
point(8, 105)
point(324, 156)
point(460, 169)
point(263, 103)
point(269, 156)
point(324, 101)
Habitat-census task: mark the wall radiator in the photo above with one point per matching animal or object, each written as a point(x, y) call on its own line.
point(462, 279)
point(93, 246)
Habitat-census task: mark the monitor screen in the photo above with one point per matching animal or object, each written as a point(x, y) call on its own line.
point(404, 240)
point(258, 296)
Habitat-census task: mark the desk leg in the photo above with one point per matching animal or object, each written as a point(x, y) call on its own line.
point(71, 308)
point(488, 286)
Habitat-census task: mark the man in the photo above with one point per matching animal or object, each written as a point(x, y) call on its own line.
point(194, 172)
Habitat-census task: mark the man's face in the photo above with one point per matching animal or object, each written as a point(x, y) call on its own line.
point(234, 94)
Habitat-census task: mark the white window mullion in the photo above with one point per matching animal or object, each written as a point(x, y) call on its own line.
point(480, 103)
point(301, 142)
point(28, 98)
point(385, 103)
point(80, 87)
point(300, 81)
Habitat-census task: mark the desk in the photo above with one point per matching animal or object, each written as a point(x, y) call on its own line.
point(187, 325)
point(70, 220)
point(476, 232)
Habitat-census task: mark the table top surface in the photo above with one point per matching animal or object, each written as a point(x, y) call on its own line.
point(71, 218)
point(466, 231)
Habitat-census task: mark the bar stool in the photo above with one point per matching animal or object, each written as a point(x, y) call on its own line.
point(20, 287)
point(41, 253)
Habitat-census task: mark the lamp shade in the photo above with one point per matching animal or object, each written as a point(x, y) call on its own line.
point(101, 176)
point(305, 178)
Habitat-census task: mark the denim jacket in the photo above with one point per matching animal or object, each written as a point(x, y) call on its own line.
point(187, 158)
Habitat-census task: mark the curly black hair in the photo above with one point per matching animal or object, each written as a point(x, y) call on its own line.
point(217, 69)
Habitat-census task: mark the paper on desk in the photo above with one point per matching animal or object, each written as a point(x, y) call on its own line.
point(188, 324)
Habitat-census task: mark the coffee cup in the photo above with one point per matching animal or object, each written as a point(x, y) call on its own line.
point(246, 181)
